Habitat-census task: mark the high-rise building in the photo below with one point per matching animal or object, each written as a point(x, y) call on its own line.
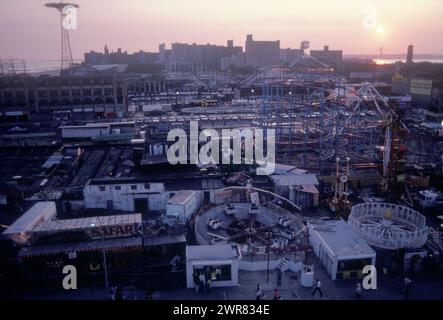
point(207, 56)
point(120, 57)
point(261, 53)
point(330, 57)
point(410, 54)
point(86, 93)
point(161, 53)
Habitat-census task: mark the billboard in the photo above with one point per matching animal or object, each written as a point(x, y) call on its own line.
point(116, 231)
point(421, 87)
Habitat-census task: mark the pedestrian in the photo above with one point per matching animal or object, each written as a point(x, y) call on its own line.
point(407, 283)
point(118, 293)
point(112, 293)
point(208, 285)
point(196, 282)
point(202, 281)
point(149, 294)
point(279, 272)
point(276, 295)
point(258, 293)
point(317, 288)
point(358, 291)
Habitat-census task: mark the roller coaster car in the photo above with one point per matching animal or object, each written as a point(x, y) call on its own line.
point(229, 209)
point(283, 222)
point(214, 224)
point(253, 209)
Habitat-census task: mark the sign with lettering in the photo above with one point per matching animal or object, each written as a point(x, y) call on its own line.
point(255, 198)
point(222, 194)
point(117, 231)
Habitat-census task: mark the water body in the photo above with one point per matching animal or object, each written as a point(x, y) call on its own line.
point(390, 61)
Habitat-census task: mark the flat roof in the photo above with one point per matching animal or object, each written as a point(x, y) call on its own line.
point(340, 238)
point(212, 252)
point(295, 179)
point(98, 125)
point(37, 214)
point(162, 240)
point(89, 222)
point(181, 197)
point(81, 246)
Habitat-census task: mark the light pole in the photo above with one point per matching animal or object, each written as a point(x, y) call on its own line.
point(250, 95)
point(105, 264)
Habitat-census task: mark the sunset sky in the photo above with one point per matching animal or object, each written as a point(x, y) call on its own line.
point(28, 30)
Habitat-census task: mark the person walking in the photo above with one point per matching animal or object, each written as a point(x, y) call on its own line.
point(407, 283)
point(258, 293)
point(208, 285)
point(358, 291)
point(118, 293)
point(276, 294)
point(112, 293)
point(201, 282)
point(317, 288)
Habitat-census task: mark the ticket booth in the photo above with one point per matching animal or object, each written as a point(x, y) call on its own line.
point(219, 263)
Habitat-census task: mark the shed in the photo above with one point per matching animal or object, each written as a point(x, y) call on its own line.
point(183, 205)
point(216, 262)
point(341, 250)
point(299, 188)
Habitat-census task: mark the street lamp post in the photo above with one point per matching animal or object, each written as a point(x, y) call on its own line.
point(105, 264)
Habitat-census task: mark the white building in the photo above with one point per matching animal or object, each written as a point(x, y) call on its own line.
point(341, 250)
point(125, 195)
point(219, 262)
point(21, 231)
point(298, 187)
point(41, 220)
point(93, 130)
point(183, 205)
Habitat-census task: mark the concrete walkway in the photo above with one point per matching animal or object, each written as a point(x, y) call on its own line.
point(423, 287)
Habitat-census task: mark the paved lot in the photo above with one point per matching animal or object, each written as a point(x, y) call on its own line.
point(389, 288)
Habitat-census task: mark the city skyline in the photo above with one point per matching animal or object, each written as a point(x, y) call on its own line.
point(143, 25)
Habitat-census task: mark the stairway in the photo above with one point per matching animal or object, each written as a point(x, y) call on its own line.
point(284, 265)
point(434, 240)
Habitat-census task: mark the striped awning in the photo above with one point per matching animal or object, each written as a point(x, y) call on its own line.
point(107, 244)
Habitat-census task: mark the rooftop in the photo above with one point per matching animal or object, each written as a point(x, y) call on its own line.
point(38, 213)
point(216, 252)
point(181, 197)
point(88, 222)
point(340, 238)
point(295, 179)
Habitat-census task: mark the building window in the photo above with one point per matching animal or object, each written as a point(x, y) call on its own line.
point(101, 188)
point(118, 188)
point(134, 187)
point(109, 91)
point(147, 186)
point(214, 272)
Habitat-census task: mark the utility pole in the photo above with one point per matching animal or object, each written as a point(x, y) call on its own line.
point(105, 264)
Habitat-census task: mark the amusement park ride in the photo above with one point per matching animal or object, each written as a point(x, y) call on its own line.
point(393, 154)
point(340, 204)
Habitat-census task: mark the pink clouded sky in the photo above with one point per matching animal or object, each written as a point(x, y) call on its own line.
point(29, 30)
